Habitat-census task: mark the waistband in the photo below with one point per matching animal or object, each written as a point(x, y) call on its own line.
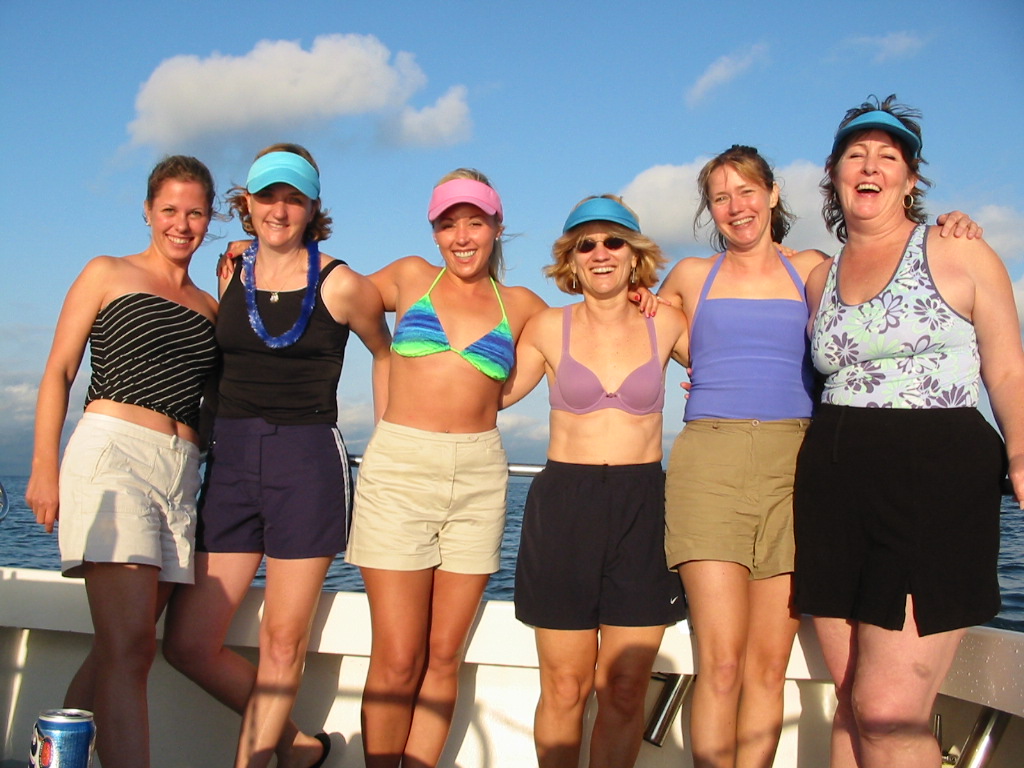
point(774, 425)
point(113, 425)
point(606, 469)
point(256, 426)
point(448, 438)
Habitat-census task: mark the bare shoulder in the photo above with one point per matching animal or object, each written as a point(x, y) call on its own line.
point(408, 267)
point(961, 250)
point(805, 262)
point(521, 300)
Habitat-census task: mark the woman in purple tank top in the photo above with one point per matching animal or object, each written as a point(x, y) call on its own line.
point(590, 577)
point(729, 489)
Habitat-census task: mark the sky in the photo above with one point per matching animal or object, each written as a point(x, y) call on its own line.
point(552, 100)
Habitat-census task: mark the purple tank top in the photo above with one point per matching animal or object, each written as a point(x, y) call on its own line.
point(578, 390)
point(750, 357)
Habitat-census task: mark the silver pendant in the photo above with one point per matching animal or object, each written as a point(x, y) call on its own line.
point(274, 298)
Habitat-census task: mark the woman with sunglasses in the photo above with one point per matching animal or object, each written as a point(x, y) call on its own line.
point(729, 488)
point(590, 577)
point(278, 482)
point(430, 501)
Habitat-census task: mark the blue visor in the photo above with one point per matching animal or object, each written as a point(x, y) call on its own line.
point(883, 121)
point(601, 209)
point(284, 168)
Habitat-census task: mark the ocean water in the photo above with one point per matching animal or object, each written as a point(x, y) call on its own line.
point(24, 544)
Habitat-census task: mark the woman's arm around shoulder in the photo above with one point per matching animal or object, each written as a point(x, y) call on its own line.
point(87, 295)
point(997, 325)
point(815, 286)
point(671, 325)
point(391, 279)
point(521, 304)
point(353, 299)
point(532, 354)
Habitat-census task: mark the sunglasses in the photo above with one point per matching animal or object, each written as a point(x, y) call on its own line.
point(610, 243)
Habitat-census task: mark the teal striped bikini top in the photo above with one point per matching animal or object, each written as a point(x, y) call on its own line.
point(419, 333)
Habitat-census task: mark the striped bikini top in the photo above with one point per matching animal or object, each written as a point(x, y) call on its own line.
point(152, 352)
point(419, 333)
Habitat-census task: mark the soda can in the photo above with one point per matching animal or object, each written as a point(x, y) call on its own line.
point(62, 738)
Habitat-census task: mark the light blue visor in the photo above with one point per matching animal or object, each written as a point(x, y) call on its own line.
point(601, 209)
point(284, 168)
point(883, 121)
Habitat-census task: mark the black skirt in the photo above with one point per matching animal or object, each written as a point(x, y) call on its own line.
point(897, 502)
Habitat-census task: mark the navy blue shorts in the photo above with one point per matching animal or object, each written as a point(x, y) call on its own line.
point(285, 491)
point(593, 549)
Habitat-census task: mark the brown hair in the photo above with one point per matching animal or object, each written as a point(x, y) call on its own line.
point(319, 227)
point(182, 168)
point(835, 221)
point(749, 164)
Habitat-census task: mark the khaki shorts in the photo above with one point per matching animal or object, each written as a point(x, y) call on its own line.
point(128, 495)
point(729, 494)
point(429, 499)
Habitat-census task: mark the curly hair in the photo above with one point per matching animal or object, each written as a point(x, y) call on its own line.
point(831, 210)
point(319, 227)
point(649, 258)
point(749, 164)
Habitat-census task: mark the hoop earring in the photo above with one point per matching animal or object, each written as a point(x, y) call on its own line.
point(908, 201)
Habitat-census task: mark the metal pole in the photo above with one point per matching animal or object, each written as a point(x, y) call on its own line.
point(984, 738)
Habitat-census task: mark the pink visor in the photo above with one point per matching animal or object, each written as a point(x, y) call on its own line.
point(463, 191)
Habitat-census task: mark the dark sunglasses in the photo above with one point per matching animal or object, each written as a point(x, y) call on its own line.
point(610, 243)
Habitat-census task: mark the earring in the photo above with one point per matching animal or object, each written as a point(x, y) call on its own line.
point(632, 276)
point(908, 201)
point(574, 281)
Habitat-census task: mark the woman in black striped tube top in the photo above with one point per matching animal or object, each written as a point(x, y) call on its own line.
point(125, 492)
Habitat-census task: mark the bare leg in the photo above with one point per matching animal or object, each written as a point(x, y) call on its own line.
point(838, 640)
point(896, 680)
point(567, 662)
point(454, 605)
point(767, 655)
point(198, 619)
point(718, 596)
point(293, 590)
point(124, 601)
point(624, 661)
point(400, 617)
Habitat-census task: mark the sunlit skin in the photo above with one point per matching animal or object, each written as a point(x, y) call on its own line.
point(178, 218)
point(465, 236)
point(741, 208)
point(872, 181)
point(887, 680)
point(280, 214)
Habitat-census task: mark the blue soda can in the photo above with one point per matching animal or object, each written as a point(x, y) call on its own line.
point(62, 738)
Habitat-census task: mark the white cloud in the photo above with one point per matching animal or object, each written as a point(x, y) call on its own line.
point(894, 45)
point(1004, 230)
point(725, 70)
point(446, 122)
point(665, 198)
point(278, 85)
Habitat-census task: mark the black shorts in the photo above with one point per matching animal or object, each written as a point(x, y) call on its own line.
point(897, 502)
point(282, 490)
point(592, 549)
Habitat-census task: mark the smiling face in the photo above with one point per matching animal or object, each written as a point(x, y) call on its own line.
point(872, 178)
point(280, 215)
point(740, 207)
point(178, 216)
point(602, 261)
point(465, 236)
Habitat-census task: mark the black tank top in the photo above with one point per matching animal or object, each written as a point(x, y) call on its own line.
point(291, 385)
point(150, 351)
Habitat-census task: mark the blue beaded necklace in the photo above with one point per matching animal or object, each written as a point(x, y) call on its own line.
point(294, 333)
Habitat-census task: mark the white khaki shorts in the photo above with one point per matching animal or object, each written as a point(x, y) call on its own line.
point(128, 495)
point(429, 499)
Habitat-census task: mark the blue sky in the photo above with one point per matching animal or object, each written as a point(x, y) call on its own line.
point(554, 101)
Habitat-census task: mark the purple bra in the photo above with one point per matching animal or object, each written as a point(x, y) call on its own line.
point(577, 390)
